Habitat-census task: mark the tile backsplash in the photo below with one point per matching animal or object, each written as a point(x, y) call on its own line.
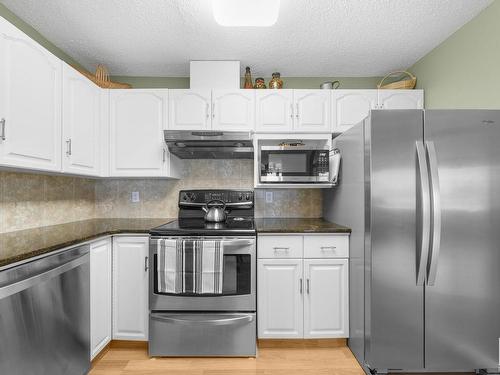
point(32, 200)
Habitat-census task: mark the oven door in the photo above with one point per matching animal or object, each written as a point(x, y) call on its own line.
point(293, 165)
point(239, 280)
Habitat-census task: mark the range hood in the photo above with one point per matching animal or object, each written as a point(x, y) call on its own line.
point(188, 144)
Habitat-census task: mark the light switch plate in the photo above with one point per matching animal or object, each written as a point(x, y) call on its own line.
point(135, 197)
point(269, 197)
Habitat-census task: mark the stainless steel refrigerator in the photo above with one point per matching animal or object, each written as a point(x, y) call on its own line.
point(421, 192)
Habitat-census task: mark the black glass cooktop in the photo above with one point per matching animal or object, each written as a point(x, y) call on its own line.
point(233, 226)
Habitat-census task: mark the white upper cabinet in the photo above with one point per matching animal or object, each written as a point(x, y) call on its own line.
point(137, 120)
point(30, 102)
point(280, 298)
point(312, 111)
point(326, 305)
point(190, 109)
point(274, 110)
point(81, 123)
point(400, 99)
point(350, 107)
point(233, 110)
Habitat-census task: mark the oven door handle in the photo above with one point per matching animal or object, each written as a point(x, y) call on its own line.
point(238, 242)
point(187, 319)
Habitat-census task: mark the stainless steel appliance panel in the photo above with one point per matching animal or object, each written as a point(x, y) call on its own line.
point(237, 302)
point(346, 204)
point(45, 316)
point(462, 301)
point(202, 334)
point(394, 310)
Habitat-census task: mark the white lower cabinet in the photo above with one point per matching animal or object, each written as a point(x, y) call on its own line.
point(100, 295)
point(130, 288)
point(326, 303)
point(280, 298)
point(303, 297)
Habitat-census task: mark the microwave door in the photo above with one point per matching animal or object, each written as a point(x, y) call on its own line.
point(282, 166)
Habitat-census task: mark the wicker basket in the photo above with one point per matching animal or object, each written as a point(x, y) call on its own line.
point(101, 78)
point(405, 84)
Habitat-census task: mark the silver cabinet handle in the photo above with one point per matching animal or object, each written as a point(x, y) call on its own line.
point(297, 111)
point(2, 124)
point(291, 111)
point(285, 249)
point(207, 110)
point(68, 147)
point(146, 263)
point(436, 213)
point(424, 213)
point(325, 248)
point(164, 156)
point(308, 285)
point(300, 285)
point(213, 110)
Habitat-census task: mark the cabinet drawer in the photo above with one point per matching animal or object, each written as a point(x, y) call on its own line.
point(326, 246)
point(279, 247)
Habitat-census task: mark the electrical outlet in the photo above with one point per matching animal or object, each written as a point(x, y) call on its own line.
point(135, 197)
point(269, 197)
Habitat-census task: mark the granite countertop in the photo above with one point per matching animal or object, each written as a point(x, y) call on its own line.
point(24, 244)
point(279, 225)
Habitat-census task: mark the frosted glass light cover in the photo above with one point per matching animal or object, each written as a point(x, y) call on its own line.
point(237, 13)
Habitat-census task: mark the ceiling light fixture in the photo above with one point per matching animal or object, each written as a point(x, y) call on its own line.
point(240, 13)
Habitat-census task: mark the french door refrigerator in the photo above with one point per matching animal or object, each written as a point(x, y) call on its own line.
point(421, 192)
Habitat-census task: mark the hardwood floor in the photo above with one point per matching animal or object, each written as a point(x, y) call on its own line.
point(271, 360)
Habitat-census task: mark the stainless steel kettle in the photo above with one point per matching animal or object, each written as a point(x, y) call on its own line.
point(215, 211)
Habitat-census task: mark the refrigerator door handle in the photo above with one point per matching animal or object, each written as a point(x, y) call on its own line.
point(436, 213)
point(424, 198)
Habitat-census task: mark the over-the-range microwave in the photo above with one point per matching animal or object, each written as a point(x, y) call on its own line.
point(296, 164)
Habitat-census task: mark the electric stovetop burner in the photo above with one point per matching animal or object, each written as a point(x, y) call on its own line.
point(191, 222)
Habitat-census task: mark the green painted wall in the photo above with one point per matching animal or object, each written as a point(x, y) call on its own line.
point(464, 71)
point(23, 26)
point(289, 82)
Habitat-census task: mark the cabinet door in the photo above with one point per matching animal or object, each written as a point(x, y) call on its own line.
point(326, 311)
point(401, 99)
point(280, 298)
point(274, 110)
point(137, 121)
point(100, 295)
point(233, 110)
point(130, 288)
point(30, 102)
point(190, 109)
point(350, 107)
point(312, 111)
point(81, 123)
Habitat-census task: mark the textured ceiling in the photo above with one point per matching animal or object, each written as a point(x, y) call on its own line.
point(311, 37)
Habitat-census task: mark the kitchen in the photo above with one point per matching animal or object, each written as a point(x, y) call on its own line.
point(177, 217)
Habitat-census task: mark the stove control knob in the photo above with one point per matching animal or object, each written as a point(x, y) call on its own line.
point(248, 197)
point(240, 197)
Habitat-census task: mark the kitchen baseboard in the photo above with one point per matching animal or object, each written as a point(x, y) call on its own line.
point(128, 344)
point(301, 343)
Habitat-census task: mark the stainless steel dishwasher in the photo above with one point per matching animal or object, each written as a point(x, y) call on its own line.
point(45, 315)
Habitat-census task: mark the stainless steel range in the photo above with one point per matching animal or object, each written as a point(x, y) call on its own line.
point(203, 277)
